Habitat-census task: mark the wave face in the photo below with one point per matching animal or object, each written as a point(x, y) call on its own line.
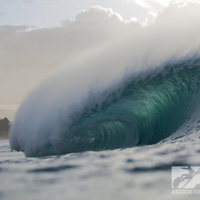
point(142, 111)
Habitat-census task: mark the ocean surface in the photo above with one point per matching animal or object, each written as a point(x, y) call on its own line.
point(139, 172)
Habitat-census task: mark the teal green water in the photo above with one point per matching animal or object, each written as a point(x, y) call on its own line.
point(144, 112)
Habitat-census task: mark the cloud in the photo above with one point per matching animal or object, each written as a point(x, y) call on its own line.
point(11, 29)
point(98, 14)
point(28, 56)
point(156, 7)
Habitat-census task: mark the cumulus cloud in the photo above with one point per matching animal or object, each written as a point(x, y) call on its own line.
point(156, 7)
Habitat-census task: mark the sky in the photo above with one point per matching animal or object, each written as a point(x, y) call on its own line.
point(49, 13)
point(37, 37)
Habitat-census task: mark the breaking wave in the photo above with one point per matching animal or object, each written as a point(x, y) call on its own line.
point(136, 88)
point(140, 112)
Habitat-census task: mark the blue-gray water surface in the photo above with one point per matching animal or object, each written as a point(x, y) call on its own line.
point(140, 172)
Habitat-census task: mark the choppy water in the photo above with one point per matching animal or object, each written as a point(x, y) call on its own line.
point(140, 172)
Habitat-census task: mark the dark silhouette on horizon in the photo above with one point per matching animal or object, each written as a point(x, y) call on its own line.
point(4, 128)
